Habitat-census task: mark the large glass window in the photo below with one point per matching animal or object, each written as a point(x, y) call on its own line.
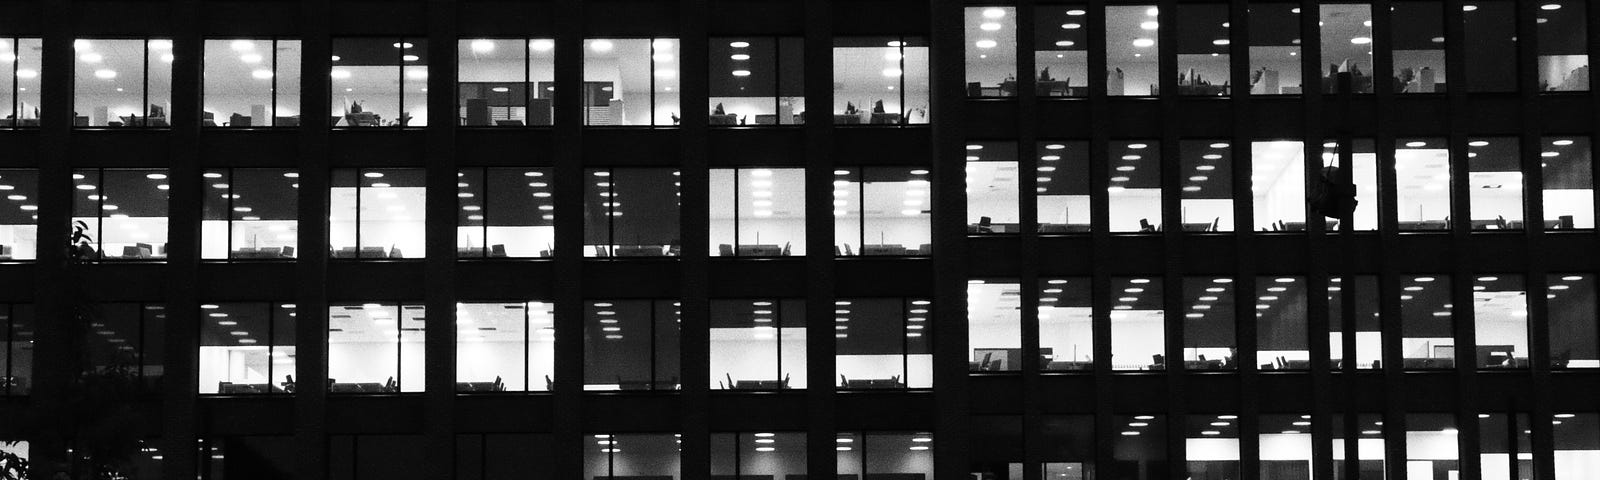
point(993, 194)
point(1432, 445)
point(631, 456)
point(1278, 186)
point(1140, 449)
point(122, 83)
point(485, 456)
point(994, 325)
point(1346, 45)
point(238, 457)
point(19, 215)
point(1069, 446)
point(742, 455)
point(1568, 171)
point(505, 212)
point(1363, 176)
point(252, 83)
point(366, 457)
point(1427, 325)
point(247, 348)
point(1417, 33)
point(885, 455)
point(1203, 60)
point(996, 447)
point(1132, 50)
point(1577, 445)
point(1505, 445)
point(19, 89)
point(1280, 312)
point(883, 343)
point(1571, 313)
point(1367, 335)
point(380, 82)
point(880, 81)
point(124, 212)
point(376, 348)
point(1563, 46)
point(1494, 174)
point(882, 211)
point(1491, 46)
point(16, 349)
point(1207, 197)
point(1209, 317)
point(377, 213)
point(757, 81)
point(758, 344)
point(250, 214)
point(1135, 189)
point(648, 196)
point(1063, 188)
point(505, 347)
point(1275, 49)
point(1367, 445)
point(1066, 326)
point(1211, 445)
point(1138, 324)
point(630, 345)
point(505, 82)
point(991, 51)
point(630, 82)
point(1500, 317)
point(1285, 446)
point(128, 341)
point(1422, 173)
point(1061, 50)
point(758, 212)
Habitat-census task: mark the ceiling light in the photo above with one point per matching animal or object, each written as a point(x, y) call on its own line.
point(250, 58)
point(989, 26)
point(986, 43)
point(1064, 43)
point(601, 46)
point(1550, 6)
point(1361, 40)
point(1144, 43)
point(403, 45)
point(541, 45)
point(160, 44)
point(1150, 25)
point(482, 46)
point(739, 56)
point(741, 73)
point(261, 74)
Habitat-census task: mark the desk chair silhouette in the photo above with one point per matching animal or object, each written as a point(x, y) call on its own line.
point(985, 225)
point(725, 250)
point(785, 249)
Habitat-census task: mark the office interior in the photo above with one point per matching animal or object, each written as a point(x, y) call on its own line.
point(379, 82)
point(122, 83)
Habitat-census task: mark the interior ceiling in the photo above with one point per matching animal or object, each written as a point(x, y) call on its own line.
point(21, 189)
point(1124, 25)
point(991, 24)
point(248, 66)
point(131, 192)
point(268, 193)
point(375, 323)
point(779, 193)
point(505, 197)
point(124, 62)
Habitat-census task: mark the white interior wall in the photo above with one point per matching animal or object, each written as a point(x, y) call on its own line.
point(1068, 331)
point(23, 240)
point(1130, 205)
point(1136, 335)
point(1064, 209)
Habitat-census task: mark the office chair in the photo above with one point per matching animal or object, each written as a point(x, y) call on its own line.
point(288, 383)
point(1144, 226)
point(843, 381)
point(985, 225)
point(390, 386)
point(785, 383)
point(725, 250)
point(730, 379)
point(1214, 222)
point(499, 385)
point(395, 252)
point(549, 385)
point(785, 249)
point(288, 252)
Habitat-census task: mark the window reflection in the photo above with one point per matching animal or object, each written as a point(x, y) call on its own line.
point(505, 213)
point(379, 82)
point(1140, 447)
point(1135, 191)
point(883, 343)
point(505, 82)
point(1138, 324)
point(631, 212)
point(758, 344)
point(1347, 44)
point(991, 57)
point(758, 212)
point(247, 348)
point(16, 349)
point(630, 345)
point(880, 81)
point(1570, 301)
point(1211, 445)
point(126, 341)
point(19, 217)
point(123, 211)
point(1207, 196)
point(1568, 169)
point(1427, 323)
point(375, 348)
point(631, 456)
point(1280, 311)
point(1132, 50)
point(1285, 442)
point(994, 325)
point(1563, 46)
point(505, 347)
point(885, 455)
point(250, 214)
point(1061, 50)
point(377, 213)
point(630, 82)
point(1208, 322)
point(1361, 294)
point(1361, 454)
point(742, 455)
point(1066, 327)
point(1491, 46)
point(882, 211)
point(122, 83)
point(757, 81)
point(19, 88)
point(993, 194)
point(1275, 49)
point(252, 83)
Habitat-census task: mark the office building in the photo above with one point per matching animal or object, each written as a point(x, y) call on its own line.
point(783, 239)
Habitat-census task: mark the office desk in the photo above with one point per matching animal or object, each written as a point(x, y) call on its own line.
point(476, 387)
point(1202, 364)
point(226, 388)
point(1424, 225)
point(760, 250)
point(641, 251)
point(357, 388)
point(1197, 227)
point(760, 385)
point(725, 119)
point(885, 119)
point(874, 383)
point(1428, 363)
point(1064, 228)
point(994, 228)
point(266, 252)
point(840, 119)
point(883, 250)
point(1066, 365)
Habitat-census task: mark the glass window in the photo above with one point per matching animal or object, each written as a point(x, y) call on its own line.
point(630, 345)
point(631, 456)
point(758, 344)
point(1285, 442)
point(127, 342)
point(994, 325)
point(1577, 445)
point(1203, 60)
point(505, 82)
point(1361, 293)
point(224, 457)
point(1494, 174)
point(1432, 445)
point(1278, 186)
point(880, 81)
point(16, 349)
point(1346, 45)
point(1063, 199)
point(377, 213)
point(122, 83)
point(390, 457)
point(1571, 313)
point(1135, 189)
point(757, 81)
point(1422, 172)
point(247, 348)
point(1281, 338)
point(505, 212)
point(1140, 449)
point(1367, 447)
point(124, 212)
point(883, 343)
point(762, 455)
point(1061, 50)
point(993, 194)
point(1417, 33)
point(1500, 317)
point(380, 82)
point(1208, 322)
point(250, 214)
point(1138, 325)
point(758, 212)
point(1426, 324)
point(650, 228)
point(486, 456)
point(885, 455)
point(19, 226)
point(19, 90)
point(630, 82)
point(375, 348)
point(1498, 456)
point(1275, 49)
point(882, 211)
point(1132, 50)
point(1066, 325)
point(252, 83)
point(1364, 177)
point(991, 51)
point(505, 347)
point(1563, 46)
point(1211, 445)
point(1491, 46)
point(997, 447)
point(1068, 446)
point(1207, 198)
point(1568, 183)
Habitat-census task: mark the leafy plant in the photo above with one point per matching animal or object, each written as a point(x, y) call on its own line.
point(12, 465)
